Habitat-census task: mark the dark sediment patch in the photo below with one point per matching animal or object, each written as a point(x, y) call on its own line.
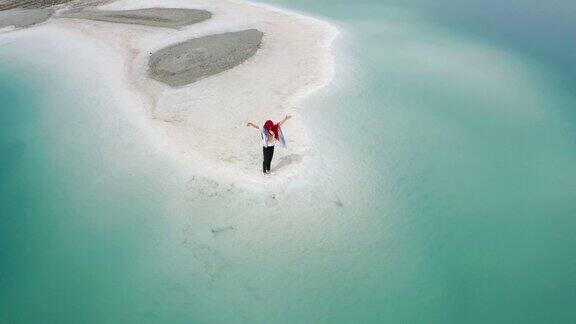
point(29, 4)
point(157, 17)
point(79, 5)
point(221, 229)
point(20, 18)
point(25, 13)
point(194, 59)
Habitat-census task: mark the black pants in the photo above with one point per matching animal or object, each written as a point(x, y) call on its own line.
point(268, 154)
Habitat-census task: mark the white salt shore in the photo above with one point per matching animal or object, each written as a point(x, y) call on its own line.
point(203, 125)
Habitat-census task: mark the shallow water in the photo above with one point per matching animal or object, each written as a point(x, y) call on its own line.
point(442, 188)
point(464, 123)
point(76, 222)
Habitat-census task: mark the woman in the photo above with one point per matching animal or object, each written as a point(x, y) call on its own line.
point(270, 134)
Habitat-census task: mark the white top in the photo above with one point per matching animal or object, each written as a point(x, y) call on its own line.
point(267, 139)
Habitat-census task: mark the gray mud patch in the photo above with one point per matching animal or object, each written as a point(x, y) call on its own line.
point(26, 13)
point(24, 18)
point(156, 17)
point(187, 62)
point(29, 4)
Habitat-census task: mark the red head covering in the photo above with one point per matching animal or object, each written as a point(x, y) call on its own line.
point(269, 125)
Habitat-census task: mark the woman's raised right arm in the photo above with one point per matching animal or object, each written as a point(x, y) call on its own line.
point(253, 125)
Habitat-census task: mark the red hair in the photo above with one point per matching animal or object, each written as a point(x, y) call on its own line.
point(269, 125)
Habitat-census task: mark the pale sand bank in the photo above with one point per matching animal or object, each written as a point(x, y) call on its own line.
point(194, 59)
point(159, 17)
point(202, 125)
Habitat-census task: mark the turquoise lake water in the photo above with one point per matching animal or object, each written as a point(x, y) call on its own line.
point(442, 188)
point(71, 235)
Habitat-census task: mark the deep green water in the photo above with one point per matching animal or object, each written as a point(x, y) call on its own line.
point(442, 188)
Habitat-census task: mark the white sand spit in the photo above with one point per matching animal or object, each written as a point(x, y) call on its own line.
point(202, 125)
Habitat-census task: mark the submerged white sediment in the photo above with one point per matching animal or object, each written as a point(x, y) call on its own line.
point(203, 124)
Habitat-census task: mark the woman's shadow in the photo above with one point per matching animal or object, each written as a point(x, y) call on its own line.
point(289, 159)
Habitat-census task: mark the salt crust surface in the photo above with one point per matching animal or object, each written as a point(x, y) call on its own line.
point(203, 125)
